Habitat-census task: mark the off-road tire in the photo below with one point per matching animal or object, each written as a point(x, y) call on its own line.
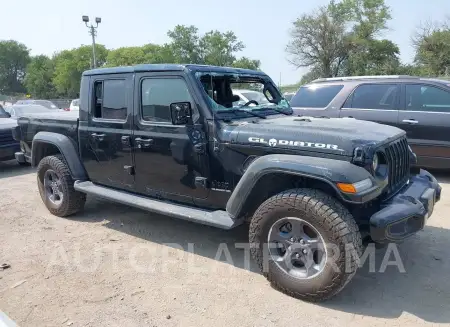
point(73, 201)
point(336, 226)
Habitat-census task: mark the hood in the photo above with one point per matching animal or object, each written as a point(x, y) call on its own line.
point(7, 123)
point(336, 136)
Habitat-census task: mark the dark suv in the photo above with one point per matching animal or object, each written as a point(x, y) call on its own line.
point(420, 106)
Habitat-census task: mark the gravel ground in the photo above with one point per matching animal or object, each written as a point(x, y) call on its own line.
point(112, 265)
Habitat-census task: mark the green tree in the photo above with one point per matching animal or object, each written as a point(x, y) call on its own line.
point(432, 44)
point(184, 44)
point(158, 54)
point(247, 63)
point(147, 54)
point(372, 57)
point(219, 48)
point(367, 18)
point(70, 64)
point(125, 56)
point(320, 39)
point(39, 75)
point(14, 58)
point(340, 39)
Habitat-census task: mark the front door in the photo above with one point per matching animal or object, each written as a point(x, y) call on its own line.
point(106, 133)
point(167, 163)
point(374, 102)
point(426, 120)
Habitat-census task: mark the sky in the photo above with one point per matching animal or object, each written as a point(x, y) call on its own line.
point(47, 26)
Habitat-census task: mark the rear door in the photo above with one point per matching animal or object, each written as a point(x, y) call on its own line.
point(426, 120)
point(105, 132)
point(374, 102)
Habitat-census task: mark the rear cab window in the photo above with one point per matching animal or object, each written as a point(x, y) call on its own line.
point(315, 96)
point(110, 99)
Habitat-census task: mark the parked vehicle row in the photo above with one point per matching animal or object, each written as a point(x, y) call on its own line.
point(8, 146)
point(420, 106)
point(10, 114)
point(171, 139)
point(17, 110)
point(45, 103)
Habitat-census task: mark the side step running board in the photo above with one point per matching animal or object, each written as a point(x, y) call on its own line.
point(218, 218)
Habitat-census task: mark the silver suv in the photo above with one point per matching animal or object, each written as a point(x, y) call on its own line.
point(420, 106)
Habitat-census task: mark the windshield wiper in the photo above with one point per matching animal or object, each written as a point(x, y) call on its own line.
point(274, 109)
point(223, 111)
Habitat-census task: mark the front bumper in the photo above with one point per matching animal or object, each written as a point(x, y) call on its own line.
point(407, 212)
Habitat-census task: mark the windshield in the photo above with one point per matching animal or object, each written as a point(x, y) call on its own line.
point(237, 93)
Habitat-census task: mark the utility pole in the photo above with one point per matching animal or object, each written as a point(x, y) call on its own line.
point(93, 33)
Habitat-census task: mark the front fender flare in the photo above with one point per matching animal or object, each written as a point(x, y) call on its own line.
point(66, 147)
point(330, 171)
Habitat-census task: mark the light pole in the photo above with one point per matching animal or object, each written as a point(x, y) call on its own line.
point(93, 32)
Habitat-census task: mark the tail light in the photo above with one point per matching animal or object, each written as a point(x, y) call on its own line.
point(66, 109)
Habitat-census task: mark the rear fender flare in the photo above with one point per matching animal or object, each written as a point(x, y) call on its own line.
point(66, 147)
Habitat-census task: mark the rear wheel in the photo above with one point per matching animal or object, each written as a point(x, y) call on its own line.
point(56, 187)
point(306, 243)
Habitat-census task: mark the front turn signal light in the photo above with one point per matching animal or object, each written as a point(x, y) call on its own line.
point(357, 187)
point(347, 188)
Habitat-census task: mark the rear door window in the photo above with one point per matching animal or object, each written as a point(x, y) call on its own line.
point(110, 99)
point(421, 97)
point(315, 96)
point(374, 96)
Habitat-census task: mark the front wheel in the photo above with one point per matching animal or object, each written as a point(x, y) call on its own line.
point(56, 187)
point(306, 243)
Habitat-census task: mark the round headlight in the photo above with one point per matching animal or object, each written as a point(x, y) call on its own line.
point(375, 162)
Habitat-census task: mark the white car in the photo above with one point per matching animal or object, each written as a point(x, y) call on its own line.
point(75, 105)
point(249, 95)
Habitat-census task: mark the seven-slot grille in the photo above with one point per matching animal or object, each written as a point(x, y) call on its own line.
point(6, 137)
point(397, 157)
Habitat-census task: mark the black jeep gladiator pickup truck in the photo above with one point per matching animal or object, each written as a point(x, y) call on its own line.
point(171, 139)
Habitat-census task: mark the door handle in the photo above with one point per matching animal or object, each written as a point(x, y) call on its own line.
point(98, 137)
point(410, 121)
point(125, 140)
point(140, 142)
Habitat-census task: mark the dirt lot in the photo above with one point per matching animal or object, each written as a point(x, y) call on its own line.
point(114, 266)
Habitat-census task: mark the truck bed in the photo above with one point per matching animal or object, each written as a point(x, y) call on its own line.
point(65, 123)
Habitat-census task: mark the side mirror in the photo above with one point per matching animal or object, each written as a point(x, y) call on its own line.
point(181, 113)
point(8, 115)
point(236, 98)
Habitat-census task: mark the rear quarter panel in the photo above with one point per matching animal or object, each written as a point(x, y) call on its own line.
point(62, 123)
